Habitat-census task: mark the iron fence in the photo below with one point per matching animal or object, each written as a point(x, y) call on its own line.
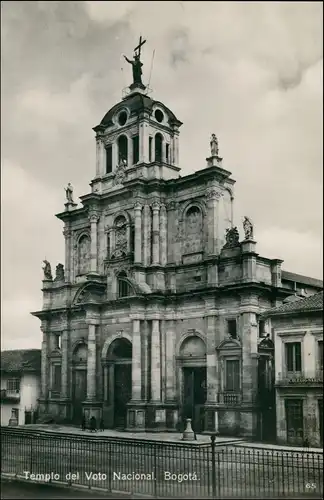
point(160, 468)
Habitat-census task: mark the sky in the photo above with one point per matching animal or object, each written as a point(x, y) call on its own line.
point(250, 72)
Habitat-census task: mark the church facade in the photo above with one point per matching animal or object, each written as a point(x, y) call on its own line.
point(154, 316)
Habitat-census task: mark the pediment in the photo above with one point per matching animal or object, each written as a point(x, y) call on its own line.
point(266, 343)
point(229, 344)
point(56, 353)
point(91, 292)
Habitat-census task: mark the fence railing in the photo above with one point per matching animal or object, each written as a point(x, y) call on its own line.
point(160, 468)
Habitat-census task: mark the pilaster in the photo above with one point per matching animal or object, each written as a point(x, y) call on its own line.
point(91, 362)
point(65, 364)
point(44, 365)
point(156, 235)
point(170, 365)
point(68, 251)
point(94, 217)
point(156, 362)
point(163, 235)
point(138, 232)
point(213, 196)
point(136, 362)
point(171, 230)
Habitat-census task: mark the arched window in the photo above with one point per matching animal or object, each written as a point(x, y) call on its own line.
point(124, 289)
point(193, 230)
point(83, 254)
point(158, 147)
point(122, 148)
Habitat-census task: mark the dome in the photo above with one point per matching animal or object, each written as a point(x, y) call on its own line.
point(137, 103)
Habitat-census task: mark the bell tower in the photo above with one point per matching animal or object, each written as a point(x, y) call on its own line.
point(137, 138)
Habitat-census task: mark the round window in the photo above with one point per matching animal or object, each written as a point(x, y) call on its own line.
point(159, 116)
point(122, 118)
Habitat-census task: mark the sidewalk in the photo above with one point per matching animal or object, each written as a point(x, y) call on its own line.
point(171, 437)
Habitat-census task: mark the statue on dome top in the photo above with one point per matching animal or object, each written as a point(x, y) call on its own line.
point(136, 63)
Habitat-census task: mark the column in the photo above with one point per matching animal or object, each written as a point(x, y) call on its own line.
point(171, 230)
point(114, 156)
point(65, 364)
point(170, 365)
point(91, 363)
point(249, 338)
point(155, 235)
point(212, 371)
point(155, 361)
point(136, 362)
point(212, 196)
point(163, 235)
point(93, 250)
point(138, 233)
point(67, 270)
point(147, 235)
point(44, 366)
point(98, 156)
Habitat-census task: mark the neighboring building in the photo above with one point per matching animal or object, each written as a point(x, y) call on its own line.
point(297, 330)
point(20, 386)
point(154, 318)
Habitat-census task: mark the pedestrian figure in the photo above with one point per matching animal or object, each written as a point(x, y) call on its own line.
point(83, 423)
point(93, 424)
point(102, 425)
point(306, 443)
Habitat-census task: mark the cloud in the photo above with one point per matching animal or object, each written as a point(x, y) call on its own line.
point(251, 72)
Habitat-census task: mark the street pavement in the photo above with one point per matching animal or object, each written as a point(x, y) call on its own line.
point(23, 489)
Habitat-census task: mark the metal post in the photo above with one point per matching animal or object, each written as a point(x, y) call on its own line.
point(213, 457)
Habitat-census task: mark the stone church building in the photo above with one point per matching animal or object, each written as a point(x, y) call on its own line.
point(154, 316)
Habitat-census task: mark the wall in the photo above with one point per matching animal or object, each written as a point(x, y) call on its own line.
point(29, 394)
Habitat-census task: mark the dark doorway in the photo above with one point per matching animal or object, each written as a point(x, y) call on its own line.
point(194, 396)
point(79, 394)
point(122, 394)
point(120, 367)
point(266, 397)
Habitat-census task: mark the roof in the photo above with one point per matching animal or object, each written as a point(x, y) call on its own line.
point(136, 103)
point(21, 360)
point(314, 303)
point(299, 278)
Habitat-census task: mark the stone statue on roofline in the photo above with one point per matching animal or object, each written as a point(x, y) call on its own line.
point(47, 270)
point(69, 193)
point(248, 228)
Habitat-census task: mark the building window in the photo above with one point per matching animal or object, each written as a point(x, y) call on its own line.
point(109, 162)
point(261, 328)
point(232, 375)
point(57, 378)
point(232, 328)
point(123, 285)
point(135, 149)
point(13, 385)
point(122, 149)
point(294, 420)
point(15, 413)
point(320, 355)
point(58, 341)
point(167, 153)
point(293, 357)
point(158, 147)
point(150, 148)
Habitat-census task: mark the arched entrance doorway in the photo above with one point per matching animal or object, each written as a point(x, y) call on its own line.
point(193, 380)
point(117, 383)
point(79, 381)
